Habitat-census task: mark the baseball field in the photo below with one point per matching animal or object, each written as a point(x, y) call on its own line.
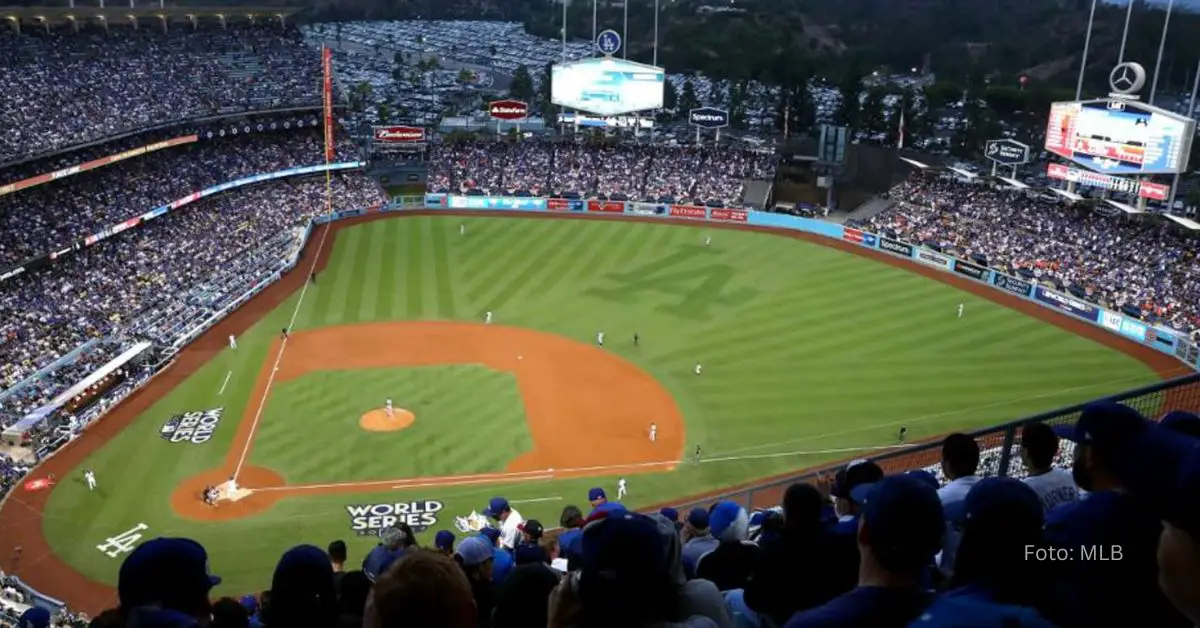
point(811, 352)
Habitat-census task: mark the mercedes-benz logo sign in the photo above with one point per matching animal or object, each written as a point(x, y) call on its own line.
point(1127, 78)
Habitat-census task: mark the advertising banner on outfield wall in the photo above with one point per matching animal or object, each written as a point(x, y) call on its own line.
point(496, 202)
point(435, 200)
point(688, 211)
point(1012, 284)
point(933, 258)
point(608, 207)
point(977, 273)
point(1123, 325)
point(896, 247)
point(852, 235)
point(1070, 305)
point(558, 204)
point(645, 209)
point(729, 215)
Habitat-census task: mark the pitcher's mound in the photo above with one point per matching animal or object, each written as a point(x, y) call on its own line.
point(379, 421)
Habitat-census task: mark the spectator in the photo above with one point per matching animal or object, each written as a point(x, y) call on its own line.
point(352, 599)
point(672, 515)
point(524, 597)
point(802, 568)
point(426, 590)
point(994, 578)
point(443, 542)
point(697, 540)
point(165, 580)
point(960, 460)
point(393, 543)
point(302, 590)
point(531, 531)
point(504, 561)
point(35, 617)
point(1039, 446)
point(695, 597)
point(510, 521)
point(569, 540)
point(731, 562)
point(899, 532)
point(1179, 544)
point(597, 498)
point(228, 613)
point(1117, 452)
point(476, 556)
point(337, 558)
point(1182, 422)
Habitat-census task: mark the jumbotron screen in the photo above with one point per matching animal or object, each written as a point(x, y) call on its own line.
point(1119, 138)
point(607, 87)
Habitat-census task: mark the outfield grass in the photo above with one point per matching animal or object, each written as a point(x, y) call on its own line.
point(807, 351)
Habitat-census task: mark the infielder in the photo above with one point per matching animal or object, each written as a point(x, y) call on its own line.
point(653, 432)
point(232, 342)
point(699, 368)
point(387, 408)
point(960, 310)
point(621, 488)
point(90, 477)
point(487, 318)
point(600, 338)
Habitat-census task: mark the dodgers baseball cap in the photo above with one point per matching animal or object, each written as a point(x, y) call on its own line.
point(625, 545)
point(925, 476)
point(698, 518)
point(903, 522)
point(670, 513)
point(1002, 501)
point(474, 551)
point(532, 527)
point(723, 516)
point(163, 565)
point(35, 617)
point(1182, 422)
point(596, 493)
point(856, 473)
point(495, 506)
point(444, 539)
point(490, 533)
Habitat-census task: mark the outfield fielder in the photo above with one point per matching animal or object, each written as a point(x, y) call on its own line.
point(90, 477)
point(699, 368)
point(960, 310)
point(232, 342)
point(707, 240)
point(621, 488)
point(462, 228)
point(387, 408)
point(600, 338)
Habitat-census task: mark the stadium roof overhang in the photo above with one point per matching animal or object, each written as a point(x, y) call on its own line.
point(57, 16)
point(1070, 196)
point(914, 163)
point(1128, 209)
point(1013, 183)
point(1185, 222)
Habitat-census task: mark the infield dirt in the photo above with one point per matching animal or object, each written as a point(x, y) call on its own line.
point(21, 512)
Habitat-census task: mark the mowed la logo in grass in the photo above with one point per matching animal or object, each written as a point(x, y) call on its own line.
point(192, 427)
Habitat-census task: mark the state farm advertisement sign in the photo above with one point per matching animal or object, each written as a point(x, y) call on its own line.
point(508, 110)
point(688, 211)
point(732, 215)
point(398, 134)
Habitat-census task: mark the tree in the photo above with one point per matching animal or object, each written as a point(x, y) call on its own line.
point(794, 113)
point(849, 111)
point(670, 97)
point(465, 77)
point(872, 116)
point(688, 100)
point(522, 84)
point(398, 58)
point(385, 113)
point(543, 97)
point(715, 93)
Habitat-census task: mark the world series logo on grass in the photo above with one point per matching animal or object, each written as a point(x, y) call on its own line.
point(372, 519)
point(192, 427)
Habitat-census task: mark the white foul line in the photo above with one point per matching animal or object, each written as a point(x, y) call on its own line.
point(224, 384)
point(556, 498)
point(262, 403)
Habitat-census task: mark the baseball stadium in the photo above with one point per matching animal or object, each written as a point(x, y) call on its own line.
point(297, 325)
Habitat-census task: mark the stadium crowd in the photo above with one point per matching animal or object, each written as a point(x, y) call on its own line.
point(1143, 266)
point(60, 88)
point(856, 548)
point(654, 173)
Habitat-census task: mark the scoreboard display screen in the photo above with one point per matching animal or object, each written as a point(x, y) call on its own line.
point(607, 86)
point(1118, 137)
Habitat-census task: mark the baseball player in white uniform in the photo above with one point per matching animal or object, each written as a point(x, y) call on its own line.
point(600, 338)
point(698, 368)
point(387, 407)
point(487, 318)
point(653, 432)
point(232, 342)
point(621, 488)
point(960, 310)
point(707, 240)
point(89, 476)
point(462, 228)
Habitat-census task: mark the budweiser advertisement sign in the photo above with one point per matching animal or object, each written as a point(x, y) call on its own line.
point(508, 110)
point(399, 134)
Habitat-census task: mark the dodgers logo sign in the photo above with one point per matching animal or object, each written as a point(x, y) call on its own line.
point(372, 519)
point(191, 427)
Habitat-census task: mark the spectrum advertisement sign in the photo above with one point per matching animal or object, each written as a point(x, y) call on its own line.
point(1070, 305)
point(495, 202)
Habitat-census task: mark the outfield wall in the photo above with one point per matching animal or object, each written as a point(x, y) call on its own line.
point(1168, 341)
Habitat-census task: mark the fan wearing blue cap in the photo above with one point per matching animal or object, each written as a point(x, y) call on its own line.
point(1179, 545)
point(510, 520)
point(393, 543)
point(477, 558)
point(166, 580)
point(35, 617)
point(730, 563)
point(503, 561)
point(994, 582)
point(1122, 460)
point(898, 533)
point(697, 540)
point(443, 541)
